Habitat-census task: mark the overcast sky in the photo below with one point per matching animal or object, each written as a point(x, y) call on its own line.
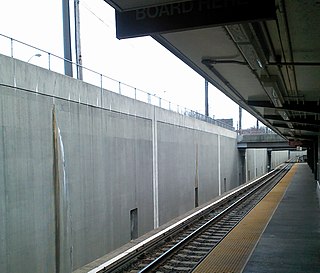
point(140, 62)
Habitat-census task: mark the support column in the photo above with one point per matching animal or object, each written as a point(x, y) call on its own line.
point(196, 180)
point(246, 158)
point(242, 158)
point(312, 155)
point(67, 38)
point(219, 164)
point(240, 120)
point(316, 159)
point(318, 177)
point(78, 41)
point(269, 152)
point(255, 163)
point(155, 176)
point(206, 98)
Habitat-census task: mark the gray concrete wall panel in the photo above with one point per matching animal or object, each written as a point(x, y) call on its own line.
point(278, 157)
point(188, 159)
point(256, 160)
point(229, 164)
point(109, 173)
point(108, 169)
point(296, 154)
point(208, 180)
point(176, 170)
point(27, 213)
point(108, 164)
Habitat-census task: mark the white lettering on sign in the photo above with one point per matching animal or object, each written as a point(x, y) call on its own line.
point(166, 10)
point(187, 7)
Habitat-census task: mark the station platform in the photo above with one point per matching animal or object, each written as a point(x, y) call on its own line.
point(281, 234)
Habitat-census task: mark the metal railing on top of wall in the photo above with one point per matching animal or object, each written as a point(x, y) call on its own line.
point(19, 50)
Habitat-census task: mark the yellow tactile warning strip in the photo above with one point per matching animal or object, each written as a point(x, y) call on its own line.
point(232, 254)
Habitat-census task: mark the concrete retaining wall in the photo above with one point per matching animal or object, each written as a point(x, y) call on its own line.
point(278, 157)
point(256, 163)
point(297, 154)
point(189, 168)
point(78, 164)
point(83, 170)
point(108, 172)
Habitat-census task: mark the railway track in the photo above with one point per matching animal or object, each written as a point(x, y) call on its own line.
point(183, 249)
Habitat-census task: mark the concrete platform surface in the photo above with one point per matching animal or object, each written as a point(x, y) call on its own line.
point(291, 241)
point(233, 252)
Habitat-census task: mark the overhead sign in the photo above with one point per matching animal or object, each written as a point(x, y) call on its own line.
point(191, 15)
point(295, 143)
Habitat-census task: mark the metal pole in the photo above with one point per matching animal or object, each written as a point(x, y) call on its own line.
point(77, 37)
point(206, 98)
point(11, 47)
point(101, 88)
point(240, 120)
point(49, 61)
point(66, 38)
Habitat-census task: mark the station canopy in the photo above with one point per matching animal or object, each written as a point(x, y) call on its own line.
point(263, 54)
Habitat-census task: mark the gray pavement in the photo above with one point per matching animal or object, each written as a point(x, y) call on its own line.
point(291, 241)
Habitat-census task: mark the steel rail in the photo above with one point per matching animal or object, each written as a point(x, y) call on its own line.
point(170, 252)
point(133, 254)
